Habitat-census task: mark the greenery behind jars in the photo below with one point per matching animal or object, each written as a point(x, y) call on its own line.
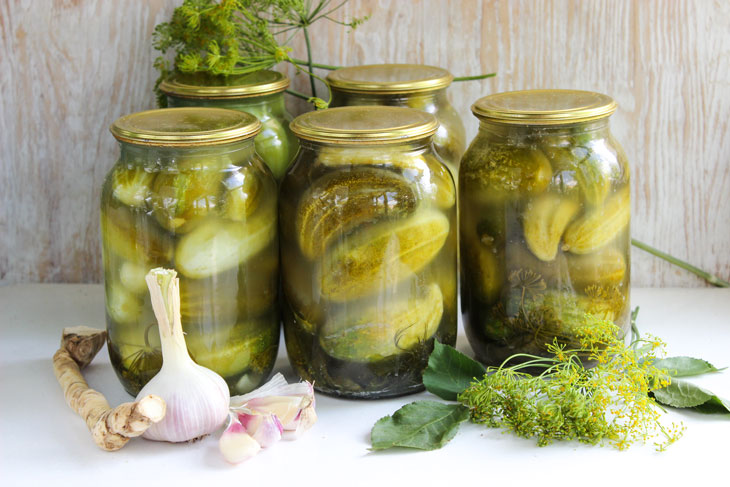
point(200, 201)
point(545, 210)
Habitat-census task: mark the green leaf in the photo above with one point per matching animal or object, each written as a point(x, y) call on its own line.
point(683, 394)
point(715, 405)
point(450, 372)
point(424, 425)
point(685, 366)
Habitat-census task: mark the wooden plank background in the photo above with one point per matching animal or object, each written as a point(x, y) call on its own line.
point(70, 68)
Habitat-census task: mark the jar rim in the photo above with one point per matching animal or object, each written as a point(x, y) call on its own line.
point(185, 127)
point(358, 125)
point(390, 78)
point(543, 107)
point(204, 85)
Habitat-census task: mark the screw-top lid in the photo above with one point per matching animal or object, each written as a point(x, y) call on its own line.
point(364, 125)
point(185, 127)
point(204, 85)
point(543, 107)
point(390, 78)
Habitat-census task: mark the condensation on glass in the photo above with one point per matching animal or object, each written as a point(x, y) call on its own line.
point(368, 249)
point(189, 192)
point(544, 222)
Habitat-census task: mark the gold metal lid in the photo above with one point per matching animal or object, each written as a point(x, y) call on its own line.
point(185, 127)
point(364, 125)
point(204, 85)
point(543, 107)
point(390, 78)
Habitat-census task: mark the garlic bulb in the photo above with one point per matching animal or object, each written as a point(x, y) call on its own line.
point(197, 398)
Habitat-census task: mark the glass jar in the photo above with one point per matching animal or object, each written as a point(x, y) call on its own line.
point(405, 85)
point(260, 93)
point(544, 222)
point(368, 250)
point(189, 192)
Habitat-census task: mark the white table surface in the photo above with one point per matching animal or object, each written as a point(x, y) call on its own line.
point(42, 440)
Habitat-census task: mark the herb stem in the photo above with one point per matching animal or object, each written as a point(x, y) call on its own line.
point(298, 94)
point(309, 60)
point(712, 279)
point(475, 77)
point(316, 65)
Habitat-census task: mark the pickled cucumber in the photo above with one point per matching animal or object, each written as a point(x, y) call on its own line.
point(380, 332)
point(235, 352)
point(606, 267)
point(133, 236)
point(217, 245)
point(544, 222)
point(131, 185)
point(382, 255)
point(242, 194)
point(132, 277)
point(599, 226)
point(431, 175)
point(480, 256)
point(230, 296)
point(343, 201)
point(179, 198)
point(121, 305)
point(273, 145)
point(582, 168)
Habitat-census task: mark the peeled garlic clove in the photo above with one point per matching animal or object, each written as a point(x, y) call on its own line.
point(236, 444)
point(266, 429)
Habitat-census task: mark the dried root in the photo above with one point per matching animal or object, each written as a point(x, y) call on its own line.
point(110, 428)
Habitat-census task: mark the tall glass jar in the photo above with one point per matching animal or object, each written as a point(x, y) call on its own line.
point(260, 93)
point(190, 193)
point(405, 85)
point(544, 230)
point(368, 247)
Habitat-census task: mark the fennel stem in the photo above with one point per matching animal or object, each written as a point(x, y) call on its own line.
point(475, 77)
point(712, 279)
point(305, 31)
point(298, 94)
point(311, 64)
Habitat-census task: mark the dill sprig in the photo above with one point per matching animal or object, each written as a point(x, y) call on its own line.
point(609, 402)
point(234, 37)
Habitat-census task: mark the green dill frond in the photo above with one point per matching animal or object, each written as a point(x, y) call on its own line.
point(232, 37)
point(606, 403)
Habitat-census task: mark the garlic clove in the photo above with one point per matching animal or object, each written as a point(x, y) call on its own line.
point(266, 429)
point(303, 422)
point(276, 386)
point(286, 408)
point(236, 444)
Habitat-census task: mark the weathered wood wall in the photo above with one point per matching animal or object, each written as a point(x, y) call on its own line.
point(68, 69)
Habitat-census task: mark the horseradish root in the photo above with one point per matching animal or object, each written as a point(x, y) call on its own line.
point(110, 428)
